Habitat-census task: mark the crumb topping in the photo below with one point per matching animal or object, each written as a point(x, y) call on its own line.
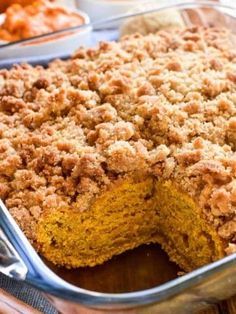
point(163, 104)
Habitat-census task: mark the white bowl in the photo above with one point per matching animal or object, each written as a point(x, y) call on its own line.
point(63, 44)
point(102, 9)
point(151, 22)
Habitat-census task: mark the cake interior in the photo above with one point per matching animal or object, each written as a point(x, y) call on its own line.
point(131, 213)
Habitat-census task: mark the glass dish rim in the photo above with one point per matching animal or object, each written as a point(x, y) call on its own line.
point(41, 277)
point(99, 23)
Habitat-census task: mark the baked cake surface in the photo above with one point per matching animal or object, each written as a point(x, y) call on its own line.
point(97, 145)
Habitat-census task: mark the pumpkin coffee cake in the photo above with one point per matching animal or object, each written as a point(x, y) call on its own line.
point(124, 144)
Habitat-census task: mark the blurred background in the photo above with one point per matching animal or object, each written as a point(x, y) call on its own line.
point(6, 3)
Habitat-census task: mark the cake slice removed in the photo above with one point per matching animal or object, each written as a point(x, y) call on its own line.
point(130, 213)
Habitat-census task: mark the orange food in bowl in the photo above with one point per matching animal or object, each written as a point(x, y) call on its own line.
point(40, 17)
point(5, 4)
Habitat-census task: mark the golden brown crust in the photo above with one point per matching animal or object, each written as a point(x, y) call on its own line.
point(163, 104)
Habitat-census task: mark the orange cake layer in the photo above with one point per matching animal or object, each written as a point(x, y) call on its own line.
point(124, 144)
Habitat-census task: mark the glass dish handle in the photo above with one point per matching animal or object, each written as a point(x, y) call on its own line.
point(11, 263)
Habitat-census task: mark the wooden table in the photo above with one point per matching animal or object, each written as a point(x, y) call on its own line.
point(225, 307)
point(10, 305)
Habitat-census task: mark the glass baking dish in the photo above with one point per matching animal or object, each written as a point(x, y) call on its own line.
point(183, 294)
